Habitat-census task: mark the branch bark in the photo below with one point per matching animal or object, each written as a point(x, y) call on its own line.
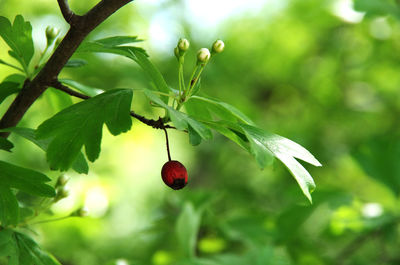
point(67, 13)
point(156, 124)
point(80, 28)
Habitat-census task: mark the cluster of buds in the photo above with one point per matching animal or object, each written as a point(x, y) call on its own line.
point(61, 191)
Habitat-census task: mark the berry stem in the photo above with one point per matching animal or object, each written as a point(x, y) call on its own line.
point(166, 139)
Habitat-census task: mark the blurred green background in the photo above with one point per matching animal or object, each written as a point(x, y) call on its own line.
point(314, 71)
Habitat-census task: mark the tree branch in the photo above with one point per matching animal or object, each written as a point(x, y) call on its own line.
point(81, 27)
point(156, 124)
point(67, 13)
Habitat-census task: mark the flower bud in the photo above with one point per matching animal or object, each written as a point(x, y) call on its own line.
point(61, 193)
point(62, 180)
point(81, 212)
point(51, 34)
point(176, 52)
point(203, 55)
point(218, 46)
point(183, 45)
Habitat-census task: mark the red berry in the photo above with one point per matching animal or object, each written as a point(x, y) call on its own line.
point(174, 174)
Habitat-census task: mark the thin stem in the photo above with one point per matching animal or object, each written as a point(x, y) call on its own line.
point(191, 77)
point(196, 79)
point(166, 139)
point(51, 220)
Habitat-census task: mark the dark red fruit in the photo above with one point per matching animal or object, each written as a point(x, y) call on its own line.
point(174, 174)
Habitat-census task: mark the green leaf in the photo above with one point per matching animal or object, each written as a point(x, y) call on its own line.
point(87, 90)
point(10, 65)
point(30, 252)
point(19, 38)
point(80, 165)
point(221, 109)
point(231, 131)
point(153, 73)
point(9, 210)
point(75, 63)
point(187, 228)
point(24, 179)
point(264, 144)
point(181, 120)
point(81, 125)
point(112, 45)
point(118, 40)
point(15, 78)
point(7, 89)
point(5, 144)
point(377, 7)
point(7, 245)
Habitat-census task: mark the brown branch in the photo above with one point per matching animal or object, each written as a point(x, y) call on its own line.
point(156, 124)
point(81, 27)
point(67, 13)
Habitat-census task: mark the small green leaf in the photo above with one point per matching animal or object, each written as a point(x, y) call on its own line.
point(221, 109)
point(7, 243)
point(153, 73)
point(9, 209)
point(30, 252)
point(19, 38)
point(80, 165)
point(24, 179)
point(5, 144)
point(187, 228)
point(81, 125)
point(87, 90)
point(75, 63)
point(264, 144)
point(112, 45)
point(7, 89)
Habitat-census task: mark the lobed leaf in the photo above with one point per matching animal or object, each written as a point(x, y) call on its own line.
point(80, 164)
point(31, 253)
point(24, 179)
point(18, 37)
point(9, 211)
point(81, 125)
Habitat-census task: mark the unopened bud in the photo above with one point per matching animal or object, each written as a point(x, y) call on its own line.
point(176, 52)
point(51, 34)
point(183, 45)
point(81, 212)
point(203, 55)
point(62, 180)
point(218, 46)
point(61, 193)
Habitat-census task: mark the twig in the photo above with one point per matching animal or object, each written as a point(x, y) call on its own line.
point(67, 13)
point(156, 124)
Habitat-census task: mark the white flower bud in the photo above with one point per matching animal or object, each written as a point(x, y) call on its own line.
point(51, 34)
point(61, 193)
point(218, 46)
point(183, 45)
point(203, 55)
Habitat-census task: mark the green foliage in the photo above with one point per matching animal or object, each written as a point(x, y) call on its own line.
point(378, 7)
point(7, 89)
point(21, 249)
point(23, 179)
point(82, 124)
point(18, 36)
point(80, 164)
point(6, 144)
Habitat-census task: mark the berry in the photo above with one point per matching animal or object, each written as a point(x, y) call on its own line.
point(174, 175)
